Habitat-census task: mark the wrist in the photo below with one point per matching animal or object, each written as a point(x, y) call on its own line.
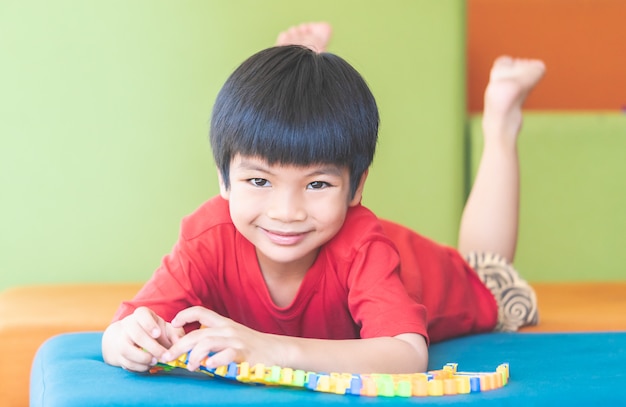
point(287, 352)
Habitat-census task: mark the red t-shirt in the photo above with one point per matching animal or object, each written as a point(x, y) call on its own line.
point(355, 288)
point(456, 301)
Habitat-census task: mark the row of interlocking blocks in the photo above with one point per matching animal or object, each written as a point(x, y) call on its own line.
point(447, 381)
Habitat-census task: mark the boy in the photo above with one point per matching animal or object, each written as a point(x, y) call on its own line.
point(286, 267)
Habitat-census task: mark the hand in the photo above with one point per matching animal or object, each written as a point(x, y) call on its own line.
point(223, 338)
point(138, 341)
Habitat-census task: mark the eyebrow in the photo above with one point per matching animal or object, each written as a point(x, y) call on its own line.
point(327, 170)
point(323, 170)
point(248, 165)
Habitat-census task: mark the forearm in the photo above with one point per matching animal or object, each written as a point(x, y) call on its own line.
point(227, 341)
point(407, 353)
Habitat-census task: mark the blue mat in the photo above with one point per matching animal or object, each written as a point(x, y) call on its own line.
point(546, 369)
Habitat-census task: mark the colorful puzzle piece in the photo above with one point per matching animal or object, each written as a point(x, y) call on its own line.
point(447, 381)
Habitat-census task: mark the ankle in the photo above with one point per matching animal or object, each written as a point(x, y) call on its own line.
point(502, 130)
point(499, 145)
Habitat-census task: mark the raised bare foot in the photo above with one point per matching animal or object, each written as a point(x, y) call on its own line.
point(311, 35)
point(510, 82)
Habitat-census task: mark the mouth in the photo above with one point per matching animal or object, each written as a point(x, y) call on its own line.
point(284, 238)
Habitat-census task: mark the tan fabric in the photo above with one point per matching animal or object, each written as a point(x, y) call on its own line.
point(584, 306)
point(517, 302)
point(29, 315)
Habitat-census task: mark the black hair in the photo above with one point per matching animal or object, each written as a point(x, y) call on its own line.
point(291, 105)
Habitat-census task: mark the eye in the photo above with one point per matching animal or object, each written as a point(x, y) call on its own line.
point(318, 185)
point(259, 182)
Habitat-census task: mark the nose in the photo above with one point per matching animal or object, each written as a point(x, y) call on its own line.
point(286, 206)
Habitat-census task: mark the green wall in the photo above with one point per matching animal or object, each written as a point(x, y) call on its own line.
point(573, 200)
point(105, 107)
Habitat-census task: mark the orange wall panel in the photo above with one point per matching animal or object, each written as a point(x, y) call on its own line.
point(583, 43)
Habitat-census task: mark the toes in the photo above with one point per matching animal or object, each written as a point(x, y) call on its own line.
point(504, 60)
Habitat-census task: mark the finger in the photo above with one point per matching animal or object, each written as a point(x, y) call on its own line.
point(174, 334)
point(221, 358)
point(168, 334)
point(205, 316)
point(209, 344)
point(147, 343)
point(196, 357)
point(149, 321)
point(135, 326)
point(134, 366)
point(182, 345)
point(213, 352)
point(197, 343)
point(137, 360)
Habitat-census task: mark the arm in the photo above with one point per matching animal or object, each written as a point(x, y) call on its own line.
point(140, 335)
point(404, 353)
point(233, 342)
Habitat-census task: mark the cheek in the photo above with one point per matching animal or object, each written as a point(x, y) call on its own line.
point(238, 210)
point(332, 215)
point(244, 207)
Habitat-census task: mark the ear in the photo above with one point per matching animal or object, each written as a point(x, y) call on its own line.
point(224, 192)
point(358, 194)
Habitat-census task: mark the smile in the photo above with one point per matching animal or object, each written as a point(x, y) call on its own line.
point(284, 238)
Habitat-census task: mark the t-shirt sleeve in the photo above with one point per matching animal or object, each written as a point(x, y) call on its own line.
point(377, 298)
point(172, 288)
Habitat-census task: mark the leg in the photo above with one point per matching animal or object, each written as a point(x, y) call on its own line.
point(490, 218)
point(311, 35)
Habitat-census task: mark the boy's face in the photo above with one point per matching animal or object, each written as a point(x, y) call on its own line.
point(287, 212)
